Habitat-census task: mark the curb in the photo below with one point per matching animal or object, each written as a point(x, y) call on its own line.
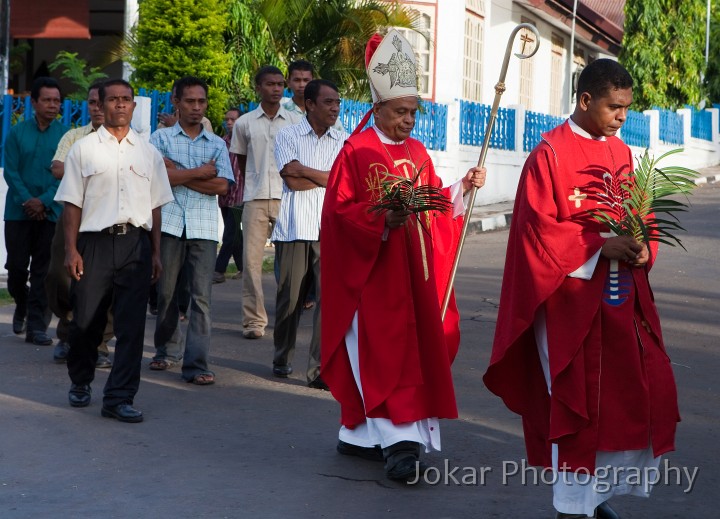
point(489, 223)
point(499, 221)
point(707, 180)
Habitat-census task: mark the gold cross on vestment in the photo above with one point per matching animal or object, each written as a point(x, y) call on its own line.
point(577, 197)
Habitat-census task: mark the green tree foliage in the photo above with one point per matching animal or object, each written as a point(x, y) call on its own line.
point(331, 34)
point(175, 38)
point(663, 49)
point(712, 76)
point(76, 70)
point(250, 46)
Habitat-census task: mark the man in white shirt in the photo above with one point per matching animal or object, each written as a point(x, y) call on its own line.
point(114, 185)
point(57, 282)
point(304, 153)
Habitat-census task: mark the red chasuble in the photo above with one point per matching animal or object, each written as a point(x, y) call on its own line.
point(612, 384)
point(396, 286)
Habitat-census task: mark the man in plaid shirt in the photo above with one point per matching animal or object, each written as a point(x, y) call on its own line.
point(199, 169)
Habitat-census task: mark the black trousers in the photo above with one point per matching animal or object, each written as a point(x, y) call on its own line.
point(57, 290)
point(28, 244)
point(117, 271)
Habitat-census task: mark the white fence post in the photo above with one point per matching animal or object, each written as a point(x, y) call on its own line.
point(687, 124)
point(654, 129)
point(141, 116)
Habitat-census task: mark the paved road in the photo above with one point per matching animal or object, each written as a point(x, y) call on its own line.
point(255, 446)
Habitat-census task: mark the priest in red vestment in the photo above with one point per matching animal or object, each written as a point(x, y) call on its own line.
point(578, 350)
point(386, 353)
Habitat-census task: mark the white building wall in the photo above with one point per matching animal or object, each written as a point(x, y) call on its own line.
point(501, 17)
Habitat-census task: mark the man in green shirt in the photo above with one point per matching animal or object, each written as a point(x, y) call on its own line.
point(30, 212)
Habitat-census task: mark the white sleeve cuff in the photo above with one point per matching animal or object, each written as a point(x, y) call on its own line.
point(586, 271)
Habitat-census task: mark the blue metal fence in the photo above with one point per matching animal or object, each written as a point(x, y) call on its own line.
point(636, 130)
point(701, 124)
point(352, 112)
point(535, 125)
point(671, 127)
point(160, 103)
point(473, 121)
point(430, 127)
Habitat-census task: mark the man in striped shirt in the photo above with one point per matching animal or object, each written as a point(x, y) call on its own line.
point(304, 154)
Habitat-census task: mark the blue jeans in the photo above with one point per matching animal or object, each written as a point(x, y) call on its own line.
point(198, 257)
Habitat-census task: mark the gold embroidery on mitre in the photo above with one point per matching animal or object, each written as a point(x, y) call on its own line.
point(400, 67)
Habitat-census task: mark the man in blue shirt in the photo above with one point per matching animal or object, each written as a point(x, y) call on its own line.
point(30, 212)
point(199, 169)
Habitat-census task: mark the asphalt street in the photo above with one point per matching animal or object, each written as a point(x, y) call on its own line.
point(256, 446)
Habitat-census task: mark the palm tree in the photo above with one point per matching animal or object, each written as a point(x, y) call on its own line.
point(331, 34)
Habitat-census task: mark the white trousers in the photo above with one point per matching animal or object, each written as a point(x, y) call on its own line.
point(616, 472)
point(381, 431)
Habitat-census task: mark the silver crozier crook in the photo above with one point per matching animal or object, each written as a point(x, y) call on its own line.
point(499, 90)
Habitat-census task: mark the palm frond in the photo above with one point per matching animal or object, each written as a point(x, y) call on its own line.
point(647, 193)
point(398, 193)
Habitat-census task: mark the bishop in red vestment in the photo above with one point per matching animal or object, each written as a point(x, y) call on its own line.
point(386, 353)
point(578, 349)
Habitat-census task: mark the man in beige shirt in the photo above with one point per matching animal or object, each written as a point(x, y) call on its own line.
point(254, 141)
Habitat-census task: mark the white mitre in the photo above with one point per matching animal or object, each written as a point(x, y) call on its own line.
point(391, 67)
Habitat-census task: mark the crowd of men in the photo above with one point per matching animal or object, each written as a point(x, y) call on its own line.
point(97, 215)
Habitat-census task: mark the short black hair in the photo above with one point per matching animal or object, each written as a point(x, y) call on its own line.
point(234, 109)
point(312, 89)
point(114, 82)
point(267, 70)
point(301, 64)
point(43, 82)
point(188, 81)
point(96, 85)
point(602, 75)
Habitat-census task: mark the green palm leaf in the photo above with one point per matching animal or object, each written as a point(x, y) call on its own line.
point(398, 193)
point(648, 194)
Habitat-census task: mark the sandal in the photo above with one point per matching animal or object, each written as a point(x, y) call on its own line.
point(204, 379)
point(161, 365)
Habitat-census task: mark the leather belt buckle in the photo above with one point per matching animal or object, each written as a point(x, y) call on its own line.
point(119, 229)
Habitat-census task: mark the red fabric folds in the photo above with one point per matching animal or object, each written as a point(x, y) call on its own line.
point(612, 383)
point(405, 350)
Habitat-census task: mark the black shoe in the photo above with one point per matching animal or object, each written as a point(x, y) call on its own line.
point(122, 413)
point(60, 352)
point(408, 468)
point(38, 338)
point(402, 461)
point(18, 323)
point(366, 453)
point(79, 395)
point(282, 371)
point(319, 383)
point(604, 511)
point(103, 362)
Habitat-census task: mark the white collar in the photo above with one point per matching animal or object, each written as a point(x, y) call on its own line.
point(384, 138)
point(575, 127)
